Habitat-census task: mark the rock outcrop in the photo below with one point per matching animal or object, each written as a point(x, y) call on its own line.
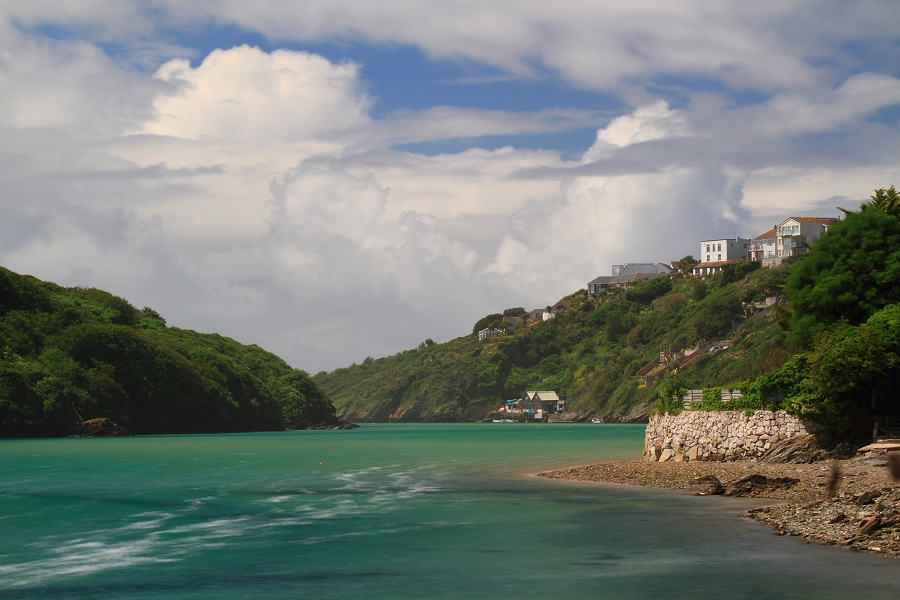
point(801, 449)
point(758, 485)
point(708, 485)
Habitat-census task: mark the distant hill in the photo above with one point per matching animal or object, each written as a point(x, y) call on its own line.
point(69, 355)
point(589, 355)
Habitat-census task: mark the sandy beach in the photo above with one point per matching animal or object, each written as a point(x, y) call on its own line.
point(862, 514)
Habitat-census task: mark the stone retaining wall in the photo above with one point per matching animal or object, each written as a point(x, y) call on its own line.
point(719, 435)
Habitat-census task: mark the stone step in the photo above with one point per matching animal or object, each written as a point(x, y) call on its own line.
point(886, 445)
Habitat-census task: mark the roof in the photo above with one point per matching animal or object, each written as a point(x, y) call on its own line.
point(558, 302)
point(769, 235)
point(826, 221)
point(627, 277)
point(545, 396)
point(723, 240)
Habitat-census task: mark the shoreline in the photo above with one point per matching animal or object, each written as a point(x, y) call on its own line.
point(863, 514)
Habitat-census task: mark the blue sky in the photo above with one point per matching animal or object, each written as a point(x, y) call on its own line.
point(338, 179)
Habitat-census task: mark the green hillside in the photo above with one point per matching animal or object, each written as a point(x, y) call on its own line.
point(588, 355)
point(832, 354)
point(71, 355)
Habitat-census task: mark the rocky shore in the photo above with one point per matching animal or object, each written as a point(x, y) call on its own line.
point(853, 502)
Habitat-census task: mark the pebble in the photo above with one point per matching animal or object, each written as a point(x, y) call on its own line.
point(840, 520)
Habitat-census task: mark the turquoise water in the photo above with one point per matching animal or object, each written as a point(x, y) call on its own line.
point(394, 511)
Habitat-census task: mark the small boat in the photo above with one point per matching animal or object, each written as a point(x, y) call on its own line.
point(510, 420)
point(596, 420)
point(498, 420)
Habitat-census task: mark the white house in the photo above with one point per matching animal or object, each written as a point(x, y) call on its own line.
point(724, 250)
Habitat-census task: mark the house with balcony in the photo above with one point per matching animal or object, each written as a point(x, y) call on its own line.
point(795, 235)
point(762, 247)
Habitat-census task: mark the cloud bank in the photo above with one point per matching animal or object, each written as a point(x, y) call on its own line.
point(252, 192)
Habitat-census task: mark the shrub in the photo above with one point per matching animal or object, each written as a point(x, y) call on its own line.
point(670, 397)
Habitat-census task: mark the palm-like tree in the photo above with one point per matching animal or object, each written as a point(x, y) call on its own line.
point(884, 199)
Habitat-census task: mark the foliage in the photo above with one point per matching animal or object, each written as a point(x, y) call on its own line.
point(74, 354)
point(852, 272)
point(712, 399)
point(851, 373)
point(648, 291)
point(589, 355)
point(886, 200)
point(490, 321)
point(737, 271)
point(687, 263)
point(670, 395)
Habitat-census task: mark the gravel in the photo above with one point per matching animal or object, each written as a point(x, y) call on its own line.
point(860, 511)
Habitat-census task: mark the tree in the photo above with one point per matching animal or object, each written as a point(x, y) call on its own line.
point(852, 376)
point(852, 272)
point(687, 263)
point(648, 291)
point(670, 396)
point(489, 321)
point(886, 200)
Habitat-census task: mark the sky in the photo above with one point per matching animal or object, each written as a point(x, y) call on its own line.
point(339, 179)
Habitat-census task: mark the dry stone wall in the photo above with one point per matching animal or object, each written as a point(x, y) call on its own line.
point(719, 435)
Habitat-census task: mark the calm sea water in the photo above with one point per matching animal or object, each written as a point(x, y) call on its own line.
point(394, 511)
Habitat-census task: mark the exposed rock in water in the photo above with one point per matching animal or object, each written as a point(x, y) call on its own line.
point(638, 414)
point(801, 449)
point(333, 423)
point(754, 485)
point(708, 485)
point(100, 428)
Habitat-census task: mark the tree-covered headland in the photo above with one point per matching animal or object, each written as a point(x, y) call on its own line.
point(71, 355)
point(830, 354)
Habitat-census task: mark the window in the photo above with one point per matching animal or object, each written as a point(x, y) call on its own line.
point(796, 229)
point(720, 247)
point(707, 256)
point(720, 257)
point(707, 249)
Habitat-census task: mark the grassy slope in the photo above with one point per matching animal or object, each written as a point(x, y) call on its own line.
point(72, 354)
point(588, 356)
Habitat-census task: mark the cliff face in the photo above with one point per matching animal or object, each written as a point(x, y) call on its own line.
point(588, 355)
point(84, 362)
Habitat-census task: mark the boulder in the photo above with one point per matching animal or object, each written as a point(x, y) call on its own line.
point(801, 449)
point(693, 453)
point(753, 485)
point(868, 497)
point(708, 485)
